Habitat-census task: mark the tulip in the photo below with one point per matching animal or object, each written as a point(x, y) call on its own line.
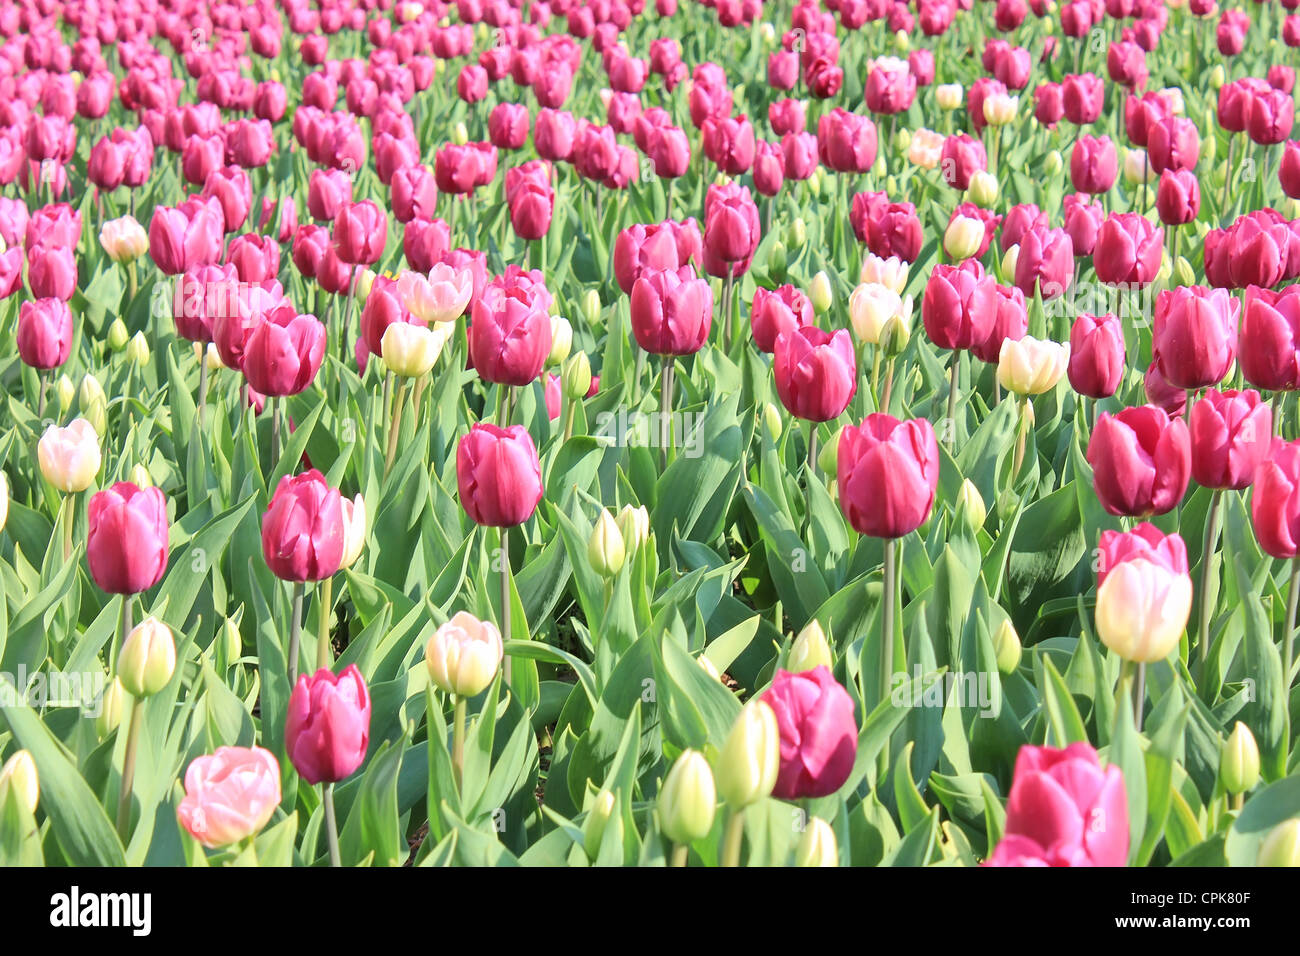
point(69, 457)
point(229, 795)
point(775, 312)
point(672, 311)
point(887, 474)
point(1096, 355)
point(463, 655)
point(1128, 250)
point(327, 728)
point(18, 778)
point(303, 531)
point(819, 736)
point(1178, 197)
point(1029, 366)
point(959, 306)
point(749, 762)
point(1144, 598)
point(1275, 501)
point(1094, 164)
point(1239, 761)
point(410, 351)
point(817, 846)
point(1083, 219)
point(498, 475)
point(124, 239)
point(816, 372)
point(360, 232)
point(1141, 461)
point(126, 545)
point(1045, 263)
point(44, 336)
point(1269, 343)
point(889, 272)
point(1195, 335)
point(1083, 96)
point(1011, 322)
point(510, 335)
point(963, 237)
point(687, 802)
point(605, 549)
point(147, 659)
point(1064, 810)
point(871, 306)
point(188, 235)
point(962, 157)
point(809, 650)
point(1281, 847)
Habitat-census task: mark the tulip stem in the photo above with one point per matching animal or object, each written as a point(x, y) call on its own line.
point(43, 382)
point(203, 388)
point(1139, 694)
point(889, 386)
point(950, 425)
point(128, 768)
point(505, 593)
point(1289, 642)
point(275, 431)
point(1022, 439)
point(875, 378)
point(295, 631)
point(395, 427)
point(665, 411)
point(887, 619)
point(323, 633)
point(681, 851)
point(69, 517)
point(1207, 561)
point(1227, 178)
point(458, 741)
point(331, 823)
point(735, 836)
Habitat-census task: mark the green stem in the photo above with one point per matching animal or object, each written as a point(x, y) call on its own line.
point(951, 424)
point(1289, 642)
point(681, 852)
point(665, 411)
point(505, 593)
point(203, 387)
point(1139, 694)
point(128, 769)
point(69, 518)
point(323, 631)
point(889, 386)
point(331, 823)
point(1207, 561)
point(127, 624)
point(735, 836)
point(395, 427)
point(295, 631)
point(887, 620)
point(458, 741)
point(275, 431)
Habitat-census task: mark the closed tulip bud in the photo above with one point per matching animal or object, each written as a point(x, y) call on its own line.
point(593, 828)
point(634, 526)
point(777, 260)
point(354, 530)
point(118, 335)
point(561, 340)
point(66, 392)
point(708, 667)
point(902, 140)
point(1239, 760)
point(796, 232)
point(463, 655)
point(949, 96)
point(1030, 366)
point(688, 799)
point(459, 134)
point(767, 33)
point(147, 659)
point(411, 350)
point(983, 189)
point(1217, 77)
point(963, 237)
point(1209, 149)
point(575, 376)
point(750, 758)
point(772, 421)
point(605, 549)
point(1137, 168)
point(18, 777)
point(1282, 846)
point(810, 649)
point(819, 292)
point(365, 282)
point(1184, 273)
point(232, 643)
point(817, 846)
point(137, 350)
point(828, 457)
point(140, 476)
point(1006, 648)
point(970, 505)
point(1053, 164)
point(901, 41)
point(97, 414)
point(110, 709)
point(1000, 109)
point(894, 336)
point(90, 391)
point(591, 307)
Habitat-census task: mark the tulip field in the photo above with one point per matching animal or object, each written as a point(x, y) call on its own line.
point(672, 433)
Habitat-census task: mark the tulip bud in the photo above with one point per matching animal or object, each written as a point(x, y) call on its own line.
point(18, 777)
point(819, 291)
point(110, 709)
point(963, 237)
point(1006, 648)
point(1217, 77)
point(1053, 164)
point(983, 189)
point(902, 140)
point(688, 799)
point(751, 756)
point(1137, 168)
point(118, 335)
point(796, 232)
point(1000, 109)
point(949, 96)
point(147, 659)
point(894, 336)
point(140, 476)
point(777, 260)
point(1184, 272)
point(605, 549)
point(817, 846)
point(90, 390)
point(1239, 761)
point(772, 421)
point(232, 645)
point(66, 391)
point(1209, 149)
point(809, 650)
point(970, 506)
point(1282, 846)
point(828, 458)
point(1009, 260)
point(561, 340)
point(634, 526)
point(137, 350)
point(591, 307)
point(97, 414)
point(4, 499)
point(459, 134)
point(767, 32)
point(365, 282)
point(708, 667)
point(891, 184)
point(593, 829)
point(575, 376)
point(901, 41)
